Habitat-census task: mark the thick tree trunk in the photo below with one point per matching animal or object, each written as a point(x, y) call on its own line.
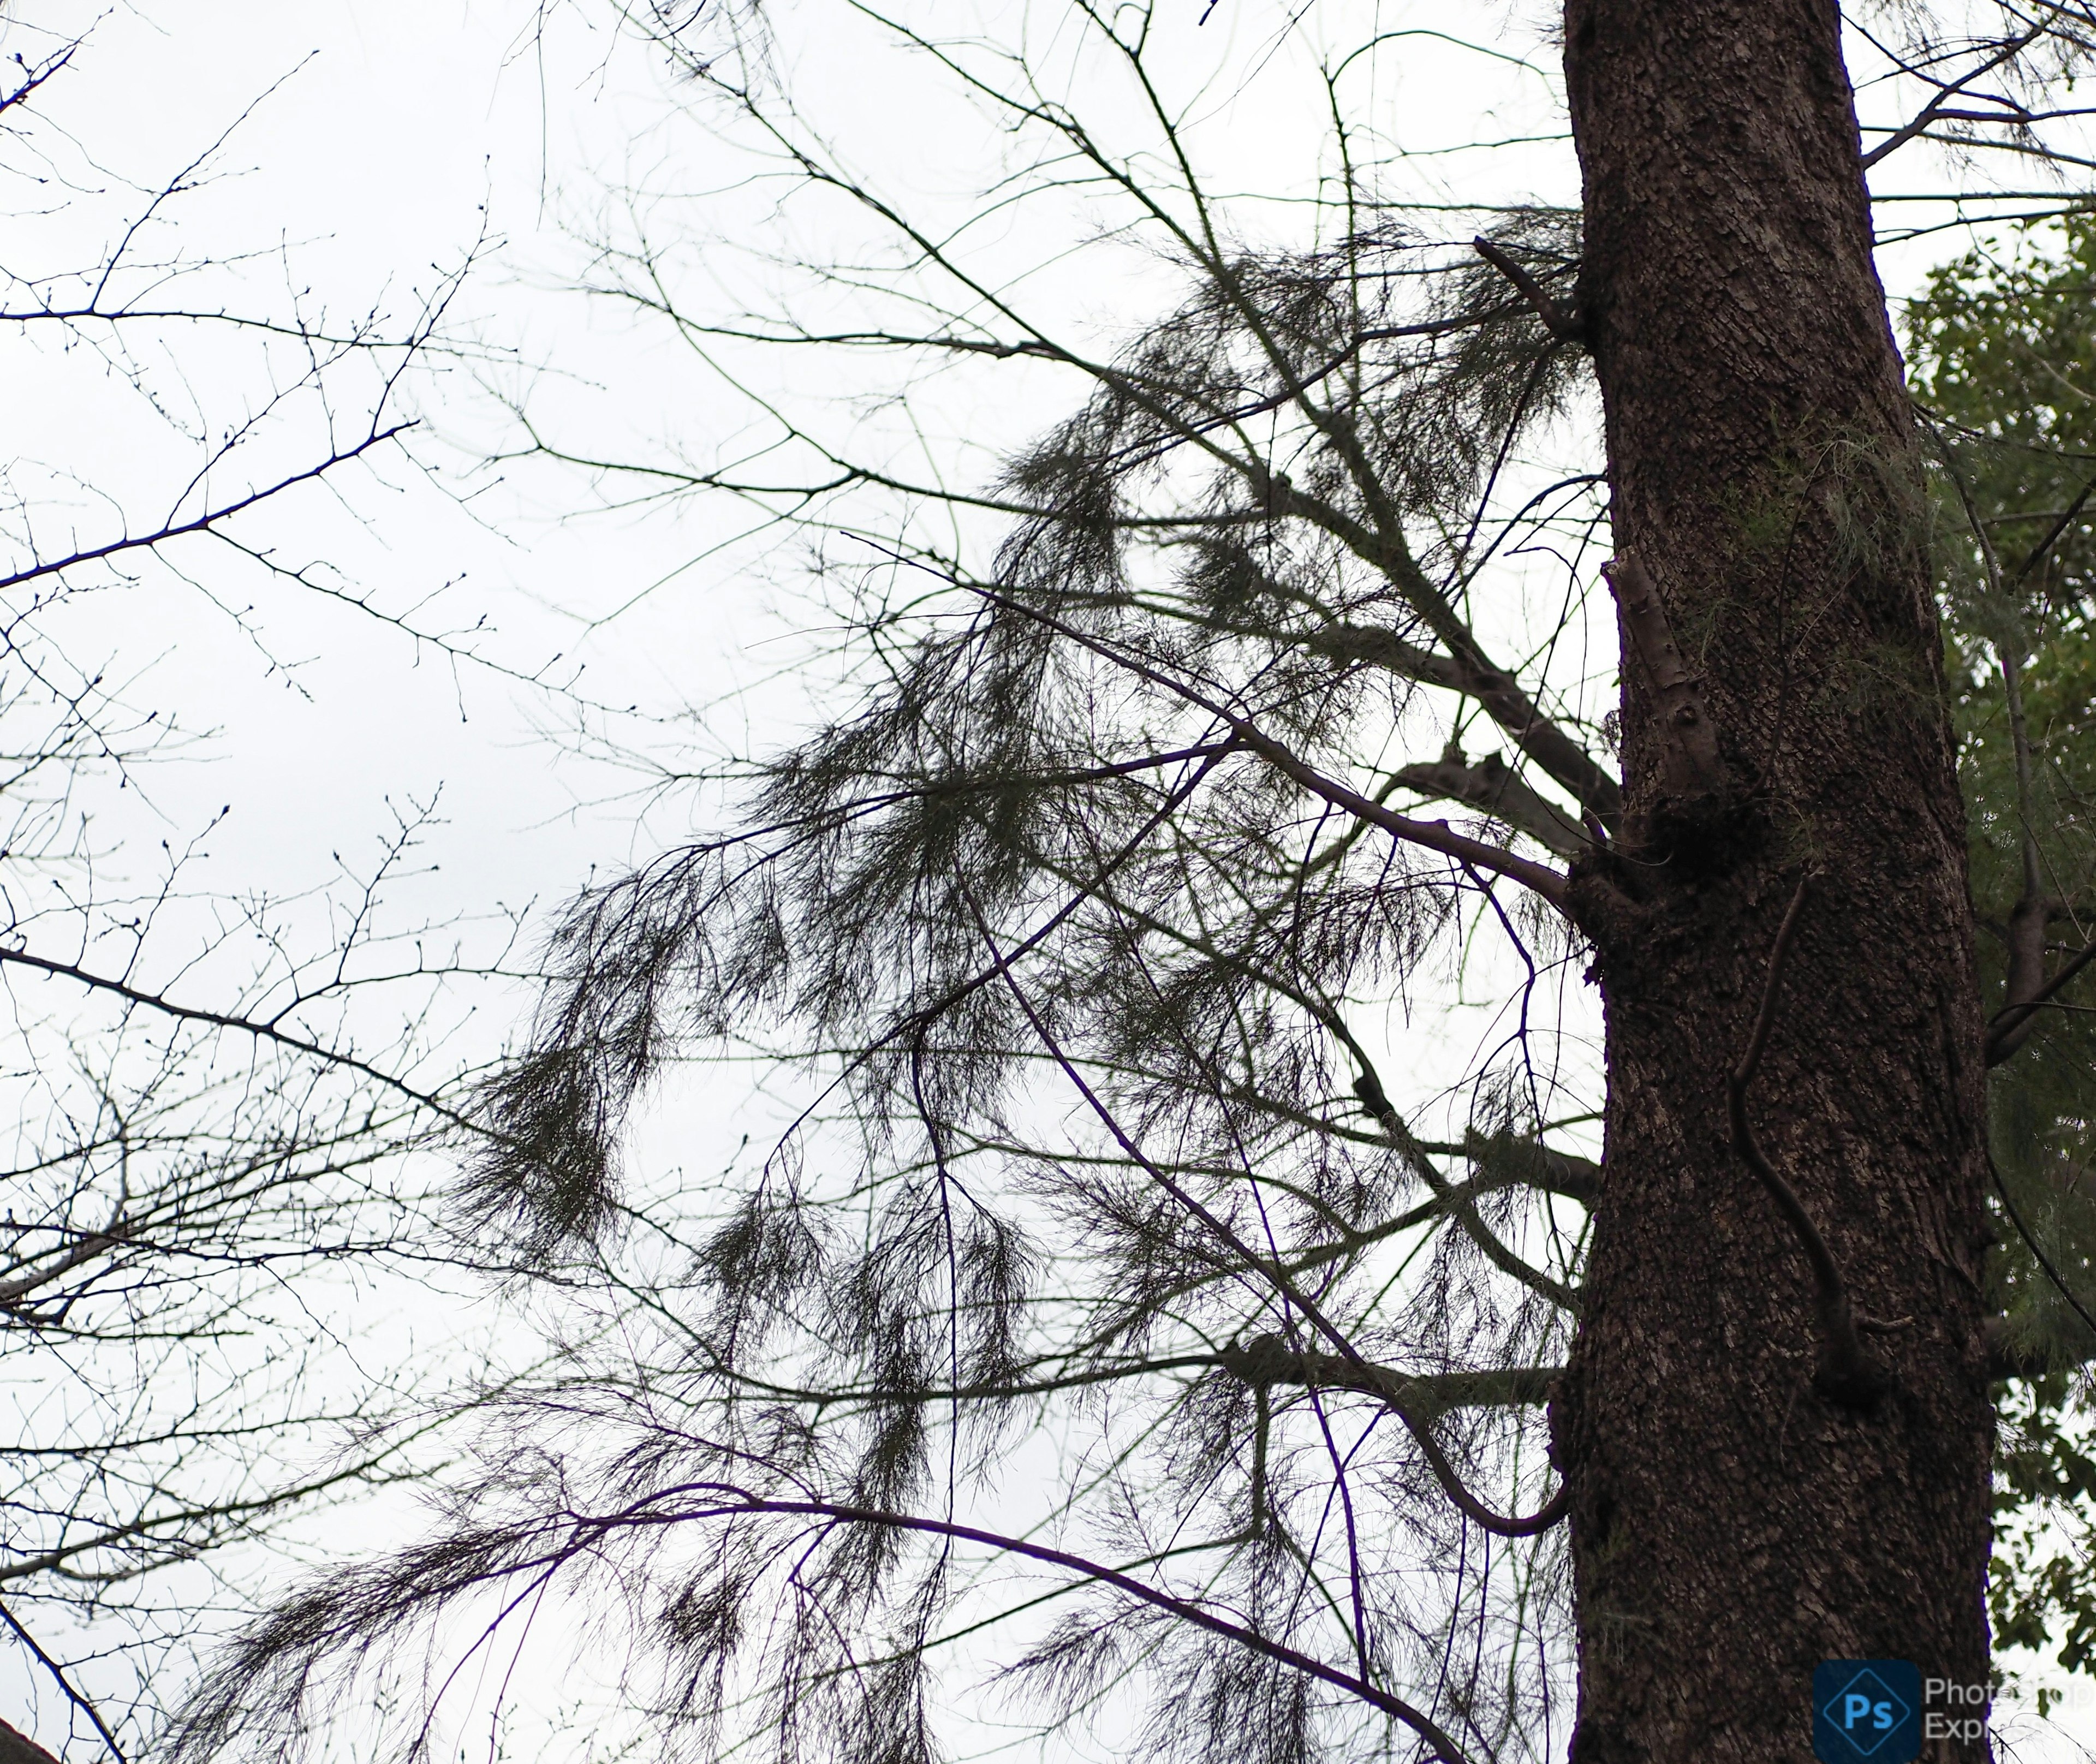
point(1739, 1514)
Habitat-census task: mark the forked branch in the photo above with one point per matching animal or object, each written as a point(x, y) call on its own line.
point(2010, 1025)
point(1546, 743)
point(1433, 835)
point(1493, 787)
point(1933, 110)
point(1553, 885)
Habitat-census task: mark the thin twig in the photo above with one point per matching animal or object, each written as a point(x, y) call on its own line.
point(2026, 986)
point(2030, 1243)
point(64, 1683)
point(260, 1030)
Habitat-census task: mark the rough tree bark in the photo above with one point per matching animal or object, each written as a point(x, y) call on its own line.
point(1745, 1503)
point(18, 1747)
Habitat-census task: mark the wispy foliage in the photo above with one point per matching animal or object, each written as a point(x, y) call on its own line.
point(2003, 362)
point(1137, 1286)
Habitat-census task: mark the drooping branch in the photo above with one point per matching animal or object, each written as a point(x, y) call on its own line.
point(1552, 886)
point(660, 1509)
point(263, 1029)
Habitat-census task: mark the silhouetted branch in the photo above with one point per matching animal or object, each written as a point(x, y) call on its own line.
point(1491, 786)
point(65, 1684)
point(1431, 835)
point(1444, 1473)
point(1567, 327)
point(658, 1509)
point(1933, 110)
point(1560, 757)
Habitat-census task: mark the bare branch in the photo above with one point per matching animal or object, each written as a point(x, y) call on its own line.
point(1491, 786)
point(1567, 327)
point(1933, 110)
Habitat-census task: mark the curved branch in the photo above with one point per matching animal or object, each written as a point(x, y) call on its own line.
point(739, 1502)
point(1459, 1200)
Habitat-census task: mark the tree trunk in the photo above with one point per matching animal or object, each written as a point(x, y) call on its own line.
point(18, 1747)
point(1741, 1511)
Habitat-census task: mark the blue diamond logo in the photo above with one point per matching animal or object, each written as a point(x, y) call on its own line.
point(1866, 1709)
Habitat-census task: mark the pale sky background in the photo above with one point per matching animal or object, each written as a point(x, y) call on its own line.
point(396, 126)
